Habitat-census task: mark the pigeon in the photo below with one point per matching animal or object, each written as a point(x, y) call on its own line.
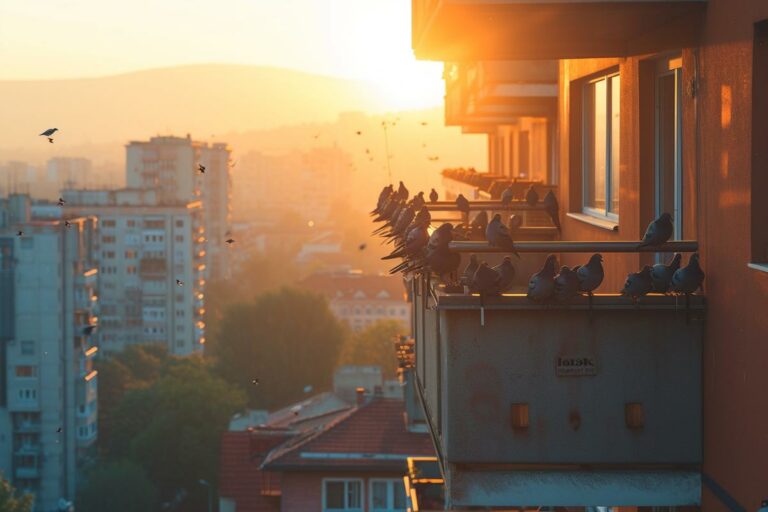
point(49, 132)
point(542, 284)
point(418, 201)
point(61, 201)
point(507, 272)
point(423, 123)
point(416, 241)
point(661, 274)
point(498, 235)
point(59, 430)
point(201, 168)
point(689, 278)
point(515, 222)
point(566, 284)
point(402, 191)
point(362, 247)
point(480, 223)
point(486, 280)
point(507, 196)
point(229, 241)
point(462, 204)
point(179, 282)
point(552, 208)
point(638, 284)
point(433, 196)
point(591, 275)
point(20, 233)
point(658, 232)
point(531, 196)
point(469, 271)
point(433, 158)
point(358, 132)
point(67, 224)
point(50, 140)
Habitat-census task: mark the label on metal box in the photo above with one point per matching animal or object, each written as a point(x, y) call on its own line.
point(575, 366)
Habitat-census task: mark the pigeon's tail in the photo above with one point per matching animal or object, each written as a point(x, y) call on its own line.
point(394, 255)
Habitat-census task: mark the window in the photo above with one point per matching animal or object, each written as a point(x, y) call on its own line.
point(759, 174)
point(387, 496)
point(601, 129)
point(108, 239)
point(179, 223)
point(26, 371)
point(27, 348)
point(346, 495)
point(179, 238)
point(108, 223)
point(130, 223)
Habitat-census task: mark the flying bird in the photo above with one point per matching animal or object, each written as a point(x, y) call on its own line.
point(362, 247)
point(423, 123)
point(433, 158)
point(566, 285)
point(658, 232)
point(201, 168)
point(50, 140)
point(661, 274)
point(689, 278)
point(638, 284)
point(61, 202)
point(229, 241)
point(552, 208)
point(67, 224)
point(59, 430)
point(49, 132)
point(20, 233)
point(498, 235)
point(433, 197)
point(542, 284)
point(179, 282)
point(531, 196)
point(591, 275)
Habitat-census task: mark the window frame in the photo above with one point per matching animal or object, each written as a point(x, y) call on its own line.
point(391, 482)
point(346, 482)
point(586, 172)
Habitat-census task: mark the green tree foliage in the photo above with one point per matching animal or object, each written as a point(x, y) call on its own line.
point(286, 339)
point(374, 345)
point(173, 427)
point(120, 486)
point(10, 501)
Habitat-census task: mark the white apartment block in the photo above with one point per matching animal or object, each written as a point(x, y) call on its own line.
point(170, 166)
point(48, 389)
point(151, 258)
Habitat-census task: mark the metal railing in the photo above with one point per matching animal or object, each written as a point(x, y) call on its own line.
point(578, 247)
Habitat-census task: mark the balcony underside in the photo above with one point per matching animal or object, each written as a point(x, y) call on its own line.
point(461, 30)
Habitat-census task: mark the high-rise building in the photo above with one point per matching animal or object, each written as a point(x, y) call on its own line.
point(48, 389)
point(151, 256)
point(181, 170)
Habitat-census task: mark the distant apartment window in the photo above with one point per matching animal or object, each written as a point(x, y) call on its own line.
point(108, 239)
point(392, 312)
point(403, 312)
point(179, 238)
point(27, 348)
point(357, 311)
point(27, 394)
point(26, 371)
point(342, 495)
point(27, 243)
point(130, 269)
point(759, 174)
point(108, 223)
point(130, 223)
point(108, 254)
point(179, 312)
point(129, 255)
point(601, 129)
point(154, 224)
point(387, 496)
point(179, 297)
point(179, 343)
point(179, 223)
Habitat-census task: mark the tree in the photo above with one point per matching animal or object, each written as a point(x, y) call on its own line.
point(284, 340)
point(10, 502)
point(172, 428)
point(374, 345)
point(120, 486)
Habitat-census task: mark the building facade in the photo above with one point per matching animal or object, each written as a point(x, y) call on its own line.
point(48, 308)
point(152, 258)
point(171, 167)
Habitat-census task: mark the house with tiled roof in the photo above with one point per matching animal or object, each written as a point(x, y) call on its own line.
point(345, 459)
point(362, 299)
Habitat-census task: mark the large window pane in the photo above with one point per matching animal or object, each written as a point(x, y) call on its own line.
point(334, 495)
point(354, 495)
point(399, 496)
point(595, 132)
point(615, 132)
point(379, 495)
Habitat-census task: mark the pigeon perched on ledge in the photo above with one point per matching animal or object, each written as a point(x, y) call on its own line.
point(638, 284)
point(542, 284)
point(689, 278)
point(658, 231)
point(661, 274)
point(498, 235)
point(566, 285)
point(591, 275)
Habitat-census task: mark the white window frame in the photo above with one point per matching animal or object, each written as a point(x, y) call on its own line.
point(391, 482)
point(346, 482)
point(586, 172)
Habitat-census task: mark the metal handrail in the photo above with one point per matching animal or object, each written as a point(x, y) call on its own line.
point(450, 206)
point(582, 247)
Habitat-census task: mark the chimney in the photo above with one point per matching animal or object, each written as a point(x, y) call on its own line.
point(359, 396)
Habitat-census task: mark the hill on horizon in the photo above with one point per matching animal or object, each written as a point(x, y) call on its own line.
point(204, 99)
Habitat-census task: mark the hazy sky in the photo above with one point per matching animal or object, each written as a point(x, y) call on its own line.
point(363, 39)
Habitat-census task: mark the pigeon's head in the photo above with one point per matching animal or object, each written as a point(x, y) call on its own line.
point(497, 218)
point(676, 260)
point(595, 259)
point(473, 259)
point(694, 260)
point(646, 271)
point(551, 263)
point(445, 228)
point(666, 217)
point(507, 260)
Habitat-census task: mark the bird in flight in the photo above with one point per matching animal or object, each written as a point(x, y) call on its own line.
point(201, 168)
point(230, 241)
point(61, 201)
point(59, 430)
point(362, 246)
point(359, 132)
point(20, 233)
point(255, 382)
point(367, 151)
point(49, 132)
point(433, 158)
point(179, 282)
point(316, 136)
point(423, 123)
point(232, 165)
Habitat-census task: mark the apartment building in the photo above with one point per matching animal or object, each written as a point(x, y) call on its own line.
point(660, 107)
point(172, 167)
point(152, 258)
point(48, 391)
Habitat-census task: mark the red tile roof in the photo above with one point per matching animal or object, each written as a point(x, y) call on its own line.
point(370, 437)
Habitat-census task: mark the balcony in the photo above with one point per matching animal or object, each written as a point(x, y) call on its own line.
point(491, 93)
point(153, 267)
point(561, 404)
point(27, 427)
point(471, 30)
